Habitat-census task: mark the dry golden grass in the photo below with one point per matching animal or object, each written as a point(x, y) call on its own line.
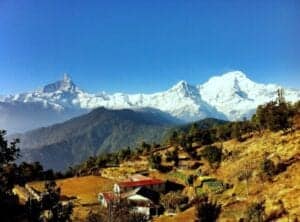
point(186, 216)
point(125, 169)
point(84, 189)
point(246, 156)
point(284, 187)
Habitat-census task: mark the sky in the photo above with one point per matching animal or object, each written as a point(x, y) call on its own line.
point(146, 46)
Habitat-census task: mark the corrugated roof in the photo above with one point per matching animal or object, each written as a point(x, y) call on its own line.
point(140, 183)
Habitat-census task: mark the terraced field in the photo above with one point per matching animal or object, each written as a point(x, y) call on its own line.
point(83, 191)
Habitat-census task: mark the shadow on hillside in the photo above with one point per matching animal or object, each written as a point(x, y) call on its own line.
point(165, 169)
point(66, 198)
point(172, 186)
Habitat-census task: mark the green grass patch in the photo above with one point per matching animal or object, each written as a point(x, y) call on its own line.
point(215, 186)
point(179, 175)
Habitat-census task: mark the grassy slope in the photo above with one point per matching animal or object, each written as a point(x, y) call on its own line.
point(285, 186)
point(246, 155)
point(186, 216)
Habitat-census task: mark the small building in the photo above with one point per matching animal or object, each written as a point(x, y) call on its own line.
point(106, 198)
point(136, 181)
point(140, 192)
point(143, 201)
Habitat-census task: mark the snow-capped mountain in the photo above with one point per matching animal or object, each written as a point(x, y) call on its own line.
point(229, 96)
point(236, 96)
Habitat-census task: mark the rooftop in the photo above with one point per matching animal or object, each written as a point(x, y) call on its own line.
point(139, 183)
point(108, 196)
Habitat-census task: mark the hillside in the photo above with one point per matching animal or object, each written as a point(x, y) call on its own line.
point(279, 194)
point(99, 131)
point(282, 190)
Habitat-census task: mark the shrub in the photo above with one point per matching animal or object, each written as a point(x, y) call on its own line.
point(268, 168)
point(173, 156)
point(119, 212)
point(173, 200)
point(190, 180)
point(255, 213)
point(207, 210)
point(168, 156)
point(212, 154)
point(155, 161)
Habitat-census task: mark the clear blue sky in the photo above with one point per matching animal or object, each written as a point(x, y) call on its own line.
point(146, 46)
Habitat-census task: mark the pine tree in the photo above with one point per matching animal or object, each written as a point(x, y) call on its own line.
point(9, 152)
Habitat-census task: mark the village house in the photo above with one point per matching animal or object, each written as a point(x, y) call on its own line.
point(143, 201)
point(141, 192)
point(106, 198)
point(136, 181)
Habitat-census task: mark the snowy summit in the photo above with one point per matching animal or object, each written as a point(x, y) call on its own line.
point(231, 96)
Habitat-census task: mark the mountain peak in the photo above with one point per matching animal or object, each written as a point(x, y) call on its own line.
point(66, 78)
point(235, 75)
point(229, 96)
point(65, 84)
point(182, 84)
point(229, 80)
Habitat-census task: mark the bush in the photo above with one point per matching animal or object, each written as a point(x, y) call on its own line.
point(255, 213)
point(212, 154)
point(173, 156)
point(155, 161)
point(206, 210)
point(190, 180)
point(119, 212)
point(173, 200)
point(268, 168)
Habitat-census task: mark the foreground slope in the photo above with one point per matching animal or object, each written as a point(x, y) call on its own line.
point(279, 194)
point(280, 191)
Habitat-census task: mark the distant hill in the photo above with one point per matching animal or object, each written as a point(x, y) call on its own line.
point(101, 130)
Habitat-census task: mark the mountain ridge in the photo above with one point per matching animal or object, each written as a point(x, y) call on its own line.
point(99, 131)
point(231, 96)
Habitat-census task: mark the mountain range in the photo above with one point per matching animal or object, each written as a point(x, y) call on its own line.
point(231, 96)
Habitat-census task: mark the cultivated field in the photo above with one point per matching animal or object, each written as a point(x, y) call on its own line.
point(83, 191)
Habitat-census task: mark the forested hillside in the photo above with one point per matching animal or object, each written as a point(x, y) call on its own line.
point(100, 131)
